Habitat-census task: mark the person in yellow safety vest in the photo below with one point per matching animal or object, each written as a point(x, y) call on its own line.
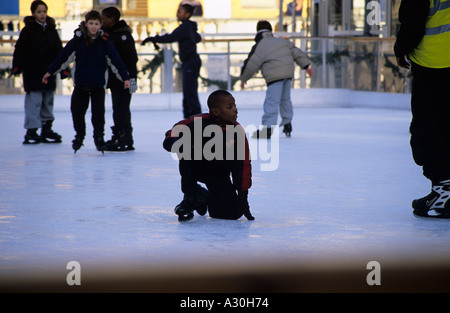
point(423, 46)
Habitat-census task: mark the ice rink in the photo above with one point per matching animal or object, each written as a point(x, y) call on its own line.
point(339, 198)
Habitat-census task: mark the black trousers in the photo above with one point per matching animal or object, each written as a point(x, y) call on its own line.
point(430, 125)
point(79, 105)
point(191, 72)
point(121, 100)
point(222, 198)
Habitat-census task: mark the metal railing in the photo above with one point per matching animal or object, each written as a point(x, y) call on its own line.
point(356, 63)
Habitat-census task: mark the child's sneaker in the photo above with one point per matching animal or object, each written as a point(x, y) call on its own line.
point(436, 201)
point(31, 137)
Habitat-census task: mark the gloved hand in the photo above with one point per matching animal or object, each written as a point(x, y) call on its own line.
point(16, 71)
point(156, 46)
point(133, 85)
point(65, 74)
point(243, 203)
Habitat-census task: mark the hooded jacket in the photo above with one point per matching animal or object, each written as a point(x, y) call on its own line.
point(92, 58)
point(121, 36)
point(187, 36)
point(37, 46)
point(274, 56)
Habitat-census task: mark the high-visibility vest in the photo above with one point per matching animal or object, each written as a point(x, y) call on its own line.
point(434, 49)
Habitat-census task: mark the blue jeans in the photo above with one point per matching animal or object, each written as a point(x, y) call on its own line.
point(278, 95)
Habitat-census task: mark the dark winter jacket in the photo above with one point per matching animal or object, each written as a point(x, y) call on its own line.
point(412, 16)
point(92, 58)
point(239, 167)
point(123, 41)
point(187, 36)
point(35, 50)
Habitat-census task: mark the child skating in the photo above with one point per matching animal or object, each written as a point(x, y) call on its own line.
point(120, 35)
point(37, 46)
point(93, 53)
point(187, 37)
point(275, 58)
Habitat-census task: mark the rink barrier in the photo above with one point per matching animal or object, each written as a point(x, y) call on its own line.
point(314, 97)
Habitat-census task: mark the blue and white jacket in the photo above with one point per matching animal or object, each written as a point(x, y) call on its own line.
point(91, 58)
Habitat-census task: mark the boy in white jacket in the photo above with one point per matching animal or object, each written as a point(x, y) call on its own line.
point(275, 58)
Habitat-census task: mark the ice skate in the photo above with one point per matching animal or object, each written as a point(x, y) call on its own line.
point(31, 137)
point(264, 133)
point(48, 135)
point(185, 210)
point(77, 143)
point(129, 142)
point(436, 203)
point(100, 143)
point(117, 141)
point(197, 201)
point(287, 129)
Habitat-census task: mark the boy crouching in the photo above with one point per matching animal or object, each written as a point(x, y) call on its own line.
point(213, 150)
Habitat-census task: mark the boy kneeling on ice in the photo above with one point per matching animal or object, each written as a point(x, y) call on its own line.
point(212, 148)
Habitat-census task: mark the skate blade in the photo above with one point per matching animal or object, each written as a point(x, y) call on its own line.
point(185, 218)
point(101, 150)
point(432, 215)
point(116, 149)
point(30, 142)
point(51, 141)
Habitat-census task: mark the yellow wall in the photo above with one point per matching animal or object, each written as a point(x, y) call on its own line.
point(162, 8)
point(168, 8)
point(237, 11)
point(158, 8)
point(56, 8)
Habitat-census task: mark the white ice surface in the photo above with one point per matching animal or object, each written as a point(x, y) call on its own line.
point(343, 189)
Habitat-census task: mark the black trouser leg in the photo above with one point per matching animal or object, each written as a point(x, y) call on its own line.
point(191, 73)
point(222, 198)
point(121, 99)
point(430, 131)
point(79, 104)
point(191, 172)
point(98, 111)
